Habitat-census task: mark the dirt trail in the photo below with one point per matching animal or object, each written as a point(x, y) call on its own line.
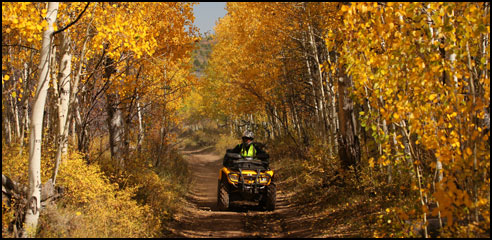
point(201, 218)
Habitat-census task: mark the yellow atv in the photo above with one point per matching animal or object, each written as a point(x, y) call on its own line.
point(245, 178)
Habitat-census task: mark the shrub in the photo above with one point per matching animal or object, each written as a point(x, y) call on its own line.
point(91, 205)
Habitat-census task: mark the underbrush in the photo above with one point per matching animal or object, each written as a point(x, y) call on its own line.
point(160, 178)
point(358, 198)
point(362, 199)
point(91, 205)
point(101, 200)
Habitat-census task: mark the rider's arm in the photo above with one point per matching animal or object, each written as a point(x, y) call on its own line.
point(237, 149)
point(260, 153)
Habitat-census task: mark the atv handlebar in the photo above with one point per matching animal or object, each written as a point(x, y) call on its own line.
point(257, 161)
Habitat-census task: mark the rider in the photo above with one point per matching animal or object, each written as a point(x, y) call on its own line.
point(250, 149)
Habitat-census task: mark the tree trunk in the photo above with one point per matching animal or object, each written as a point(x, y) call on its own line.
point(63, 102)
point(348, 142)
point(34, 194)
point(25, 100)
point(140, 127)
point(7, 130)
point(319, 76)
point(115, 119)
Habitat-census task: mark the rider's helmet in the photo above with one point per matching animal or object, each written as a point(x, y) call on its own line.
point(248, 134)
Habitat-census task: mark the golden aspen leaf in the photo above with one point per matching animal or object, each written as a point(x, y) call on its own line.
point(6, 77)
point(396, 116)
point(345, 8)
point(432, 96)
point(469, 151)
point(363, 8)
point(14, 94)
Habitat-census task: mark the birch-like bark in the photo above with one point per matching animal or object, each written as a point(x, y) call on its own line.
point(34, 194)
point(63, 102)
point(25, 102)
point(140, 126)
point(13, 103)
point(319, 74)
point(313, 87)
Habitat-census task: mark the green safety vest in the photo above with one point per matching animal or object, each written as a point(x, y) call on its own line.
point(251, 152)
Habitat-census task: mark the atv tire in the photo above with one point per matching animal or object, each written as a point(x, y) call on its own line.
point(222, 196)
point(271, 197)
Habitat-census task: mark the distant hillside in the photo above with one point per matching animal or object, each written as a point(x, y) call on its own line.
point(201, 54)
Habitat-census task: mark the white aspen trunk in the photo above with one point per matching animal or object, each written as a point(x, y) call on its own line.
point(25, 102)
point(25, 124)
point(34, 194)
point(51, 119)
point(64, 86)
point(15, 112)
point(63, 101)
point(334, 119)
point(140, 126)
point(78, 122)
point(471, 81)
point(322, 100)
point(7, 128)
point(389, 168)
point(13, 103)
point(311, 83)
point(5, 120)
point(75, 86)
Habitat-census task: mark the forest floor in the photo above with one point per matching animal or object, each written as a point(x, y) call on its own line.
point(199, 216)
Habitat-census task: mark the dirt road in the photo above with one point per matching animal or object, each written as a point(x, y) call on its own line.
point(201, 218)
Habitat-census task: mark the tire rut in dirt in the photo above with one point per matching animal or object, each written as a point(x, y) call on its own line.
point(200, 216)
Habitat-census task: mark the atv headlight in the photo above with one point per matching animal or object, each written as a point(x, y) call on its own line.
point(234, 177)
point(264, 179)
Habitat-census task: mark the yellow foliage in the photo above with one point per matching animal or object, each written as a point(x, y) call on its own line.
point(105, 210)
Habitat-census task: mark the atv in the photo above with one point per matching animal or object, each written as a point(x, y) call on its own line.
point(246, 179)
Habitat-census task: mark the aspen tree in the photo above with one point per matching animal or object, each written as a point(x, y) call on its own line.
point(34, 194)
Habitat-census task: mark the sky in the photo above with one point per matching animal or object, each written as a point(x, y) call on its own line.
point(207, 13)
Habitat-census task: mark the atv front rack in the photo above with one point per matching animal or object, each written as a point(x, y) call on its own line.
point(256, 184)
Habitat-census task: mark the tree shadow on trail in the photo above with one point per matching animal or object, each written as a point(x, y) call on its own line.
point(243, 207)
